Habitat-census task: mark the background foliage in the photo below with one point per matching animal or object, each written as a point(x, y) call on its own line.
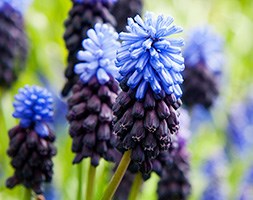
point(232, 19)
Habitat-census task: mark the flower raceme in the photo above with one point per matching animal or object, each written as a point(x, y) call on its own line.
point(31, 142)
point(145, 111)
point(99, 54)
point(90, 105)
point(148, 58)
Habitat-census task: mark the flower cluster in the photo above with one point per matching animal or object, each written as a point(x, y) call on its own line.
point(90, 115)
point(148, 58)
point(33, 106)
point(82, 16)
point(145, 111)
point(124, 9)
point(13, 44)
point(99, 55)
point(31, 142)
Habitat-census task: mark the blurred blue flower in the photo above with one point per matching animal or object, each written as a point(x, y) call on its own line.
point(149, 58)
point(246, 191)
point(240, 128)
point(215, 172)
point(214, 191)
point(95, 1)
point(19, 5)
point(204, 47)
point(34, 106)
point(99, 54)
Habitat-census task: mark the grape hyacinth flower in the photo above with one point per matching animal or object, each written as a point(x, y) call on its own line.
point(215, 171)
point(83, 15)
point(150, 64)
point(90, 115)
point(31, 142)
point(204, 60)
point(13, 43)
point(124, 9)
point(239, 129)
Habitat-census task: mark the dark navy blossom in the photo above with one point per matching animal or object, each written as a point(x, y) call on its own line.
point(149, 58)
point(204, 47)
point(34, 106)
point(99, 54)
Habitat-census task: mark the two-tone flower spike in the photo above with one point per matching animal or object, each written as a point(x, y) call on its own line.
point(204, 59)
point(31, 142)
point(150, 65)
point(90, 113)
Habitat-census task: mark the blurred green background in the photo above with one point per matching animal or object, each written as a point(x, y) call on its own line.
point(233, 19)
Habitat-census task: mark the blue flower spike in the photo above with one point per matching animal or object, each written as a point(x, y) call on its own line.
point(34, 107)
point(150, 56)
point(99, 54)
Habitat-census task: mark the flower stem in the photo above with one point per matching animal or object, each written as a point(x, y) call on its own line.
point(117, 177)
point(27, 194)
point(80, 181)
point(91, 180)
point(136, 186)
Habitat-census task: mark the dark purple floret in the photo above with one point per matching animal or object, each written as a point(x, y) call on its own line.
point(90, 117)
point(31, 158)
point(124, 9)
point(82, 17)
point(13, 45)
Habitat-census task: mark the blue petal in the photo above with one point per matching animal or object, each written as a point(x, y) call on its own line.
point(41, 129)
point(102, 76)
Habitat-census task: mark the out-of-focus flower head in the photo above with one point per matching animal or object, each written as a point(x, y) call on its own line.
point(204, 47)
point(149, 57)
point(95, 1)
point(19, 5)
point(34, 106)
point(214, 191)
point(239, 128)
point(246, 190)
point(99, 54)
point(215, 165)
point(215, 170)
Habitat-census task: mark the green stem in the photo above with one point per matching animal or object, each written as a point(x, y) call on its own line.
point(27, 194)
point(91, 180)
point(80, 181)
point(117, 177)
point(136, 186)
